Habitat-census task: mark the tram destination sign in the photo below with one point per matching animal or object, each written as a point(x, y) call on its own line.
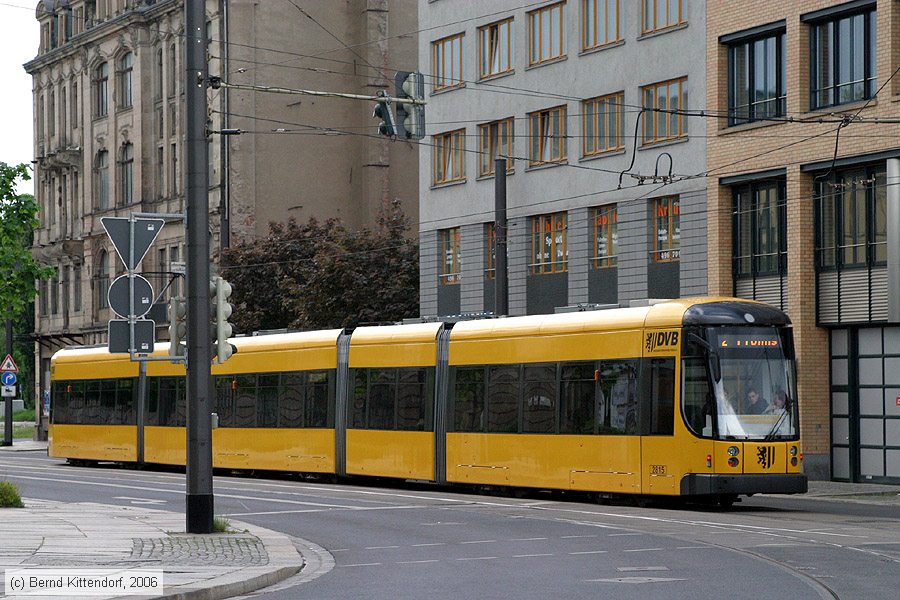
point(750, 341)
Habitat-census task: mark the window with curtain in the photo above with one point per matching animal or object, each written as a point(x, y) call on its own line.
point(548, 136)
point(495, 140)
point(495, 47)
point(602, 120)
point(449, 161)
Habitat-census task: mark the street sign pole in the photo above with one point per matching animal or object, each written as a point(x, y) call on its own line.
point(199, 500)
point(8, 401)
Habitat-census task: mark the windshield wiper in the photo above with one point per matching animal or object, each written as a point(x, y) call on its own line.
point(772, 433)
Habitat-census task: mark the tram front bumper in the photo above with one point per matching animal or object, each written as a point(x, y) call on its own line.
point(702, 484)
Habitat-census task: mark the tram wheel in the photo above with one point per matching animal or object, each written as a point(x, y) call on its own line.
point(726, 501)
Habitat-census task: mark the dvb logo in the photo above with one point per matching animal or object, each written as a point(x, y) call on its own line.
point(661, 339)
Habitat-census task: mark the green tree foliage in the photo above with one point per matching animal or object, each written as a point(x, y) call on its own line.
point(322, 275)
point(18, 218)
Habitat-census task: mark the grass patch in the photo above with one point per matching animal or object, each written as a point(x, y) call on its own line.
point(23, 431)
point(221, 525)
point(9, 496)
point(24, 415)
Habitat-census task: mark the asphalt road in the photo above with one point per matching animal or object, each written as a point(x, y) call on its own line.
point(426, 542)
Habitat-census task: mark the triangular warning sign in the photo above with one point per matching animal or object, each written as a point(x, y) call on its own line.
point(9, 365)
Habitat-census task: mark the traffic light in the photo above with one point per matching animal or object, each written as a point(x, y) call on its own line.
point(177, 312)
point(410, 117)
point(223, 329)
point(388, 125)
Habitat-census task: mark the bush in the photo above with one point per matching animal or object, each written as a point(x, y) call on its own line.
point(221, 525)
point(9, 496)
point(24, 415)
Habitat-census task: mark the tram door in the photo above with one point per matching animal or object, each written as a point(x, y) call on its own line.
point(660, 464)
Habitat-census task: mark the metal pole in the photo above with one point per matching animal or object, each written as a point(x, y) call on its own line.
point(501, 281)
point(199, 500)
point(8, 402)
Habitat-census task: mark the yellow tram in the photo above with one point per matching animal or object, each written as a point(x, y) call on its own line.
point(689, 397)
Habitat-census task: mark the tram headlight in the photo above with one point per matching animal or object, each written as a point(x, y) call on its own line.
point(733, 462)
point(733, 451)
point(793, 461)
point(793, 450)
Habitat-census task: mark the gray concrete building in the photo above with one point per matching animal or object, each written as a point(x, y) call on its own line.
point(561, 88)
point(109, 134)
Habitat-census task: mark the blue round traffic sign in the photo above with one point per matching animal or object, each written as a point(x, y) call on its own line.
point(8, 378)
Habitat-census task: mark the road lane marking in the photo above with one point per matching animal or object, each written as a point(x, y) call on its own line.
point(416, 562)
point(643, 550)
point(529, 555)
point(140, 500)
point(361, 565)
point(572, 537)
point(591, 552)
point(526, 539)
point(479, 542)
point(479, 558)
point(694, 547)
point(623, 534)
point(432, 544)
point(381, 547)
point(629, 569)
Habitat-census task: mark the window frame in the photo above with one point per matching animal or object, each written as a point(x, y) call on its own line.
point(753, 213)
point(493, 151)
point(102, 186)
point(559, 238)
point(589, 8)
point(126, 81)
point(537, 16)
point(537, 121)
point(617, 99)
point(439, 63)
point(673, 229)
point(126, 183)
point(870, 64)
point(451, 254)
point(447, 147)
point(601, 222)
point(101, 90)
point(485, 35)
point(656, 27)
point(780, 99)
point(651, 124)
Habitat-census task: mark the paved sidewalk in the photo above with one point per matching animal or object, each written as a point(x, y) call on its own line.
point(58, 535)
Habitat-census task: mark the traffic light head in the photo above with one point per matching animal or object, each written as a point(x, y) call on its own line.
point(410, 117)
point(177, 312)
point(223, 329)
point(387, 126)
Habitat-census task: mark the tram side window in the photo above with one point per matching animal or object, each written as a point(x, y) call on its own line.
point(90, 413)
point(659, 415)
point(167, 398)
point(267, 400)
point(151, 406)
point(577, 391)
point(225, 400)
point(503, 399)
point(318, 394)
point(291, 399)
point(245, 401)
point(617, 406)
point(392, 398)
point(539, 399)
point(468, 399)
point(125, 401)
point(59, 401)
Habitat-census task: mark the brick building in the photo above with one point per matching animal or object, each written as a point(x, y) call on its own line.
point(791, 86)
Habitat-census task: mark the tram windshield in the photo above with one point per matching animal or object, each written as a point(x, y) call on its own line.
point(738, 383)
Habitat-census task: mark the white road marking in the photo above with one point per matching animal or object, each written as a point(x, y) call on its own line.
point(526, 539)
point(529, 555)
point(693, 547)
point(140, 500)
point(591, 552)
point(479, 542)
point(433, 544)
point(643, 550)
point(361, 565)
point(381, 547)
point(572, 537)
point(627, 569)
point(416, 562)
point(479, 558)
point(636, 580)
point(623, 534)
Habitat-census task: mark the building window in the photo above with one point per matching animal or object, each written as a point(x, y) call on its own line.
point(174, 174)
point(160, 172)
point(606, 237)
point(54, 297)
point(549, 243)
point(490, 250)
point(101, 91)
point(667, 236)
point(76, 289)
point(602, 122)
point(40, 118)
point(495, 140)
point(664, 104)
point(661, 14)
point(757, 79)
point(44, 307)
point(173, 71)
point(158, 75)
point(851, 219)
point(547, 33)
point(843, 59)
point(126, 66)
point(75, 119)
point(760, 229)
point(103, 280)
point(102, 174)
point(450, 255)
point(548, 135)
point(601, 23)
point(447, 58)
point(127, 182)
point(51, 116)
point(449, 160)
point(495, 47)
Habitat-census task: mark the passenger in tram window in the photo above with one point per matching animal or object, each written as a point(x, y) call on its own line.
point(755, 404)
point(779, 402)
